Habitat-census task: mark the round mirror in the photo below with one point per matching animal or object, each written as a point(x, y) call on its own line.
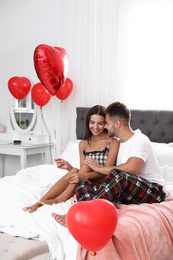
point(23, 114)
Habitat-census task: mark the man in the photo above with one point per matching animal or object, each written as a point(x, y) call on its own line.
point(136, 178)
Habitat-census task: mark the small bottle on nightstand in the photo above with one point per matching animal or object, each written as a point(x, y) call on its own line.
point(2, 127)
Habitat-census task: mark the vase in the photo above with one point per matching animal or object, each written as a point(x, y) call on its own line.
point(2, 127)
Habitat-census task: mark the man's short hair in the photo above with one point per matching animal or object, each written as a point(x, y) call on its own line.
point(118, 109)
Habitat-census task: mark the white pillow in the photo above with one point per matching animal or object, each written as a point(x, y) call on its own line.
point(164, 153)
point(71, 153)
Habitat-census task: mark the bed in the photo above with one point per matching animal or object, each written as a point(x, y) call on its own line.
point(142, 232)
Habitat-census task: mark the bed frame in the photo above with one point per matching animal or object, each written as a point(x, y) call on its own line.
point(156, 124)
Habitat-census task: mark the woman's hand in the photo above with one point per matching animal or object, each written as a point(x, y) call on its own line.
point(62, 164)
point(93, 164)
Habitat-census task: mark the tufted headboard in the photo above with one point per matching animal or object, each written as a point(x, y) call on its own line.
point(156, 124)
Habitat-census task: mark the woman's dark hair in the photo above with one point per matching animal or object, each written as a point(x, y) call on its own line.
point(95, 110)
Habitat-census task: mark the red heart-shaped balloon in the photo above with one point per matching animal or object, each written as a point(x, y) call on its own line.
point(51, 65)
point(92, 223)
point(65, 91)
point(19, 87)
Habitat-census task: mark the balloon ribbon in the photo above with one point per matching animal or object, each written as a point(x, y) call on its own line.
point(55, 140)
point(93, 253)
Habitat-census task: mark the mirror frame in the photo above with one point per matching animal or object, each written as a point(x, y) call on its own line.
point(14, 123)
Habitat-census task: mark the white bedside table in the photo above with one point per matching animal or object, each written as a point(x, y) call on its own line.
point(22, 150)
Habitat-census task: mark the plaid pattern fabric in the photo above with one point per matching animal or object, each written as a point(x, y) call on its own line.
point(99, 156)
point(121, 187)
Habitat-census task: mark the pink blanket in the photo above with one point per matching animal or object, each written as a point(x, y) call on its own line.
point(143, 232)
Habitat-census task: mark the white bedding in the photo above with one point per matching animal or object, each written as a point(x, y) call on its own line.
point(27, 187)
point(24, 189)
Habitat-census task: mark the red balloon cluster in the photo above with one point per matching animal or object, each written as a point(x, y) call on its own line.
point(19, 87)
point(51, 65)
point(92, 223)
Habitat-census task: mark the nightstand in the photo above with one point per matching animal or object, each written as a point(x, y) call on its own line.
point(23, 150)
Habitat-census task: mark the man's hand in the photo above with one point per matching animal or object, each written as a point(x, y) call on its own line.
point(73, 178)
point(93, 164)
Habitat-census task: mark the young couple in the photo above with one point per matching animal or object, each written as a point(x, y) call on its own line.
point(130, 174)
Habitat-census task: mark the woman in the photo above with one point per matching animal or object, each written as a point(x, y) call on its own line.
point(96, 144)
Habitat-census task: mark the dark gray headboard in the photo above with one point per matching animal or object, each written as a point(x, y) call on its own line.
point(156, 124)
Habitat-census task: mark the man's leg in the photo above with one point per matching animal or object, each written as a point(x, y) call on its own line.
point(121, 187)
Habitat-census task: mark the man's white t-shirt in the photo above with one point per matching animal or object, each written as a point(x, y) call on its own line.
point(140, 146)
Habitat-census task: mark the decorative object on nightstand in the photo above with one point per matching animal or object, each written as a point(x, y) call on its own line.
point(2, 127)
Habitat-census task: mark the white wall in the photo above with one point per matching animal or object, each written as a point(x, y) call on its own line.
point(96, 36)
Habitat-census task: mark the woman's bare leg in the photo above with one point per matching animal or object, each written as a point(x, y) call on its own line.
point(64, 196)
point(56, 190)
point(68, 192)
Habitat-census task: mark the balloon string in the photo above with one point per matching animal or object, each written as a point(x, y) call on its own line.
point(41, 113)
point(62, 126)
point(55, 140)
point(20, 116)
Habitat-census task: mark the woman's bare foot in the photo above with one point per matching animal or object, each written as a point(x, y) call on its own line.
point(33, 207)
point(61, 219)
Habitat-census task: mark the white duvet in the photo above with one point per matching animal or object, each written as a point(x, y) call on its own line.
point(27, 187)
